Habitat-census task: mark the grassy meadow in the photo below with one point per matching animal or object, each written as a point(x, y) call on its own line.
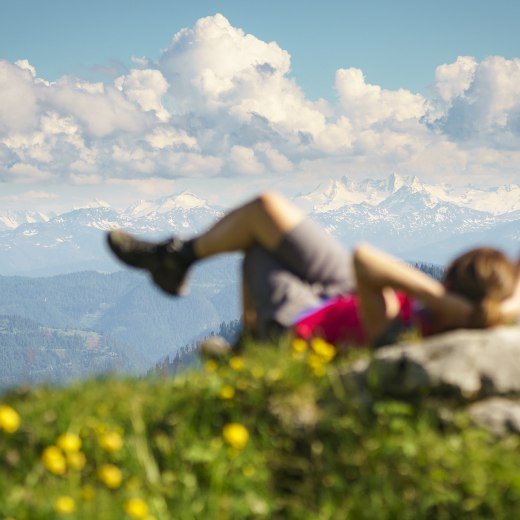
point(274, 433)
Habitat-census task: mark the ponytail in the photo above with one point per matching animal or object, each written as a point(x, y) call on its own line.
point(487, 313)
point(487, 278)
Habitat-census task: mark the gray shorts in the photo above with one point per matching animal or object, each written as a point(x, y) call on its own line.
point(307, 266)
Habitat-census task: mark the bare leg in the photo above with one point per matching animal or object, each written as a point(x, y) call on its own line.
point(264, 221)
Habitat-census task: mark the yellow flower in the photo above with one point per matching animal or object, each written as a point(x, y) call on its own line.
point(248, 470)
point(236, 363)
point(299, 345)
point(111, 441)
point(9, 419)
point(325, 350)
point(210, 366)
point(227, 392)
point(315, 362)
point(236, 435)
point(54, 460)
point(319, 371)
point(110, 475)
point(69, 442)
point(257, 372)
point(76, 460)
point(136, 508)
point(64, 505)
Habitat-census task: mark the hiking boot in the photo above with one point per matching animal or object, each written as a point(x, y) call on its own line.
point(163, 260)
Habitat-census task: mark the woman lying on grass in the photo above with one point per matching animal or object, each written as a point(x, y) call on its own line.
point(296, 277)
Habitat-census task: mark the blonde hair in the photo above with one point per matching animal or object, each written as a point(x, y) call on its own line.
point(486, 277)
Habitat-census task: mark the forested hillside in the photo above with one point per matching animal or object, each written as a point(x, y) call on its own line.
point(32, 353)
point(188, 355)
point(127, 306)
point(48, 321)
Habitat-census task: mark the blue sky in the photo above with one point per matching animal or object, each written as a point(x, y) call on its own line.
point(396, 43)
point(112, 100)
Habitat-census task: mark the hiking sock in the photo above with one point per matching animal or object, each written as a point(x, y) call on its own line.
point(187, 252)
point(183, 250)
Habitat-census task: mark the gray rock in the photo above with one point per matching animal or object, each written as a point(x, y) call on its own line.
point(479, 369)
point(497, 414)
point(466, 364)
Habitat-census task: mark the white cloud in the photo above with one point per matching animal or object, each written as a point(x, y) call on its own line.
point(167, 137)
point(140, 61)
point(53, 124)
point(24, 173)
point(18, 101)
point(222, 103)
point(197, 165)
point(152, 187)
point(216, 71)
point(275, 160)
point(367, 104)
point(484, 101)
point(25, 65)
point(31, 195)
point(100, 109)
point(244, 160)
point(146, 88)
point(211, 62)
point(132, 161)
point(85, 179)
point(453, 79)
point(336, 137)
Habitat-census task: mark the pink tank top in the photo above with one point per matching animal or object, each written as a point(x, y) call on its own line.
point(338, 320)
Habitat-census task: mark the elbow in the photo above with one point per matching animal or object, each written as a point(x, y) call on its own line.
point(359, 260)
point(360, 254)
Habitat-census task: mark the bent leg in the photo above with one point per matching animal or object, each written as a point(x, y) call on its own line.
point(317, 258)
point(281, 228)
point(276, 295)
point(264, 221)
point(269, 221)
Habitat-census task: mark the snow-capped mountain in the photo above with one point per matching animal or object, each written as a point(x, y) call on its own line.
point(184, 201)
point(334, 194)
point(13, 219)
point(404, 216)
point(75, 240)
point(181, 213)
point(407, 221)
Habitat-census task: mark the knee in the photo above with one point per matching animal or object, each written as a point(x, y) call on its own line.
point(270, 201)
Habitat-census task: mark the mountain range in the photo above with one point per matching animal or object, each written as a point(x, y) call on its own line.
point(414, 220)
point(417, 221)
point(32, 353)
point(47, 263)
point(70, 326)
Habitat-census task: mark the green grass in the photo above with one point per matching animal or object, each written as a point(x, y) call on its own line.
point(314, 451)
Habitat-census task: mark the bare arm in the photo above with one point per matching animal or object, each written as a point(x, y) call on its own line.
point(510, 308)
point(378, 277)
